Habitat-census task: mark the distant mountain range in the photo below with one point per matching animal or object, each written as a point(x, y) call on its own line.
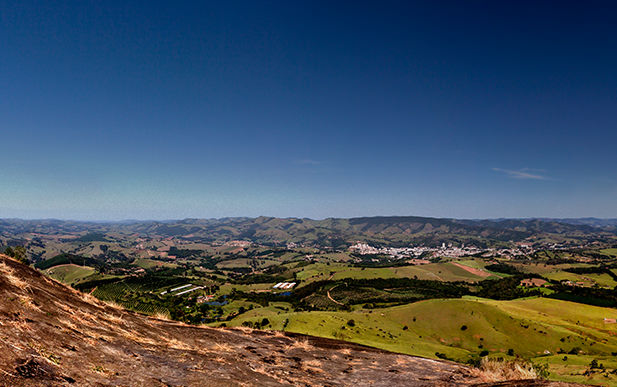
point(339, 232)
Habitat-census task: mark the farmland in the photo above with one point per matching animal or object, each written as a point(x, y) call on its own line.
point(451, 300)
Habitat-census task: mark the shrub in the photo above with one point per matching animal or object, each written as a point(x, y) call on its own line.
point(18, 252)
point(351, 323)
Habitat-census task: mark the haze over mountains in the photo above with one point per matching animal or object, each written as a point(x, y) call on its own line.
point(338, 232)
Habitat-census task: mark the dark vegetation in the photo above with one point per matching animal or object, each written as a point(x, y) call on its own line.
point(505, 288)
point(503, 268)
point(64, 259)
point(17, 252)
point(585, 295)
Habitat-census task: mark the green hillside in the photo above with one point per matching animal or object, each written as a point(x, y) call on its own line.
point(462, 329)
point(69, 273)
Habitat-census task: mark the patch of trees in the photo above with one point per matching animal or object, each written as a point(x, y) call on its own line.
point(184, 253)
point(378, 291)
point(585, 295)
point(435, 289)
point(503, 268)
point(92, 237)
point(592, 270)
point(17, 252)
point(505, 288)
point(88, 285)
point(65, 259)
point(259, 279)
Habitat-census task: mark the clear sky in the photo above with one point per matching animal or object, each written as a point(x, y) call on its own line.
point(162, 110)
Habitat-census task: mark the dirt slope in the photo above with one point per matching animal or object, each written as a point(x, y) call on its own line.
point(53, 335)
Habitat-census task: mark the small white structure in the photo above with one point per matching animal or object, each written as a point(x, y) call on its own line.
point(190, 290)
point(284, 285)
point(180, 287)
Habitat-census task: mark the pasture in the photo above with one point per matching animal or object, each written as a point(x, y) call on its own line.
point(464, 329)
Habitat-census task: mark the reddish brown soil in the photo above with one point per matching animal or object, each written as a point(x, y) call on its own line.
point(473, 270)
point(51, 335)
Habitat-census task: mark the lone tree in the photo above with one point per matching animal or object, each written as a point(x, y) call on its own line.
point(17, 252)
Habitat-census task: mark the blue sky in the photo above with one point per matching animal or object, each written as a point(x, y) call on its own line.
point(161, 110)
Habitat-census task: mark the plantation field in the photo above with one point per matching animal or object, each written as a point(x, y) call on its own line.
point(461, 329)
point(69, 273)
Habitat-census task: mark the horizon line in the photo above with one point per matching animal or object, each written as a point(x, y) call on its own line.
point(297, 217)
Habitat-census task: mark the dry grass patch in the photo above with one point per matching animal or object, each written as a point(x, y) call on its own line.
point(244, 329)
point(162, 316)
point(303, 345)
point(113, 305)
point(345, 351)
point(224, 347)
point(12, 279)
point(27, 302)
point(315, 365)
point(278, 334)
point(498, 370)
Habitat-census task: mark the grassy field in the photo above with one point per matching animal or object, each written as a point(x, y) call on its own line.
point(461, 329)
point(589, 279)
point(246, 262)
point(151, 263)
point(543, 268)
point(610, 252)
point(434, 271)
point(69, 274)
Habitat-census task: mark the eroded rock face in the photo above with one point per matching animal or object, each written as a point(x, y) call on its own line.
point(53, 335)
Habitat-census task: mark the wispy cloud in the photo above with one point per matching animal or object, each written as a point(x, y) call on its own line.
point(524, 174)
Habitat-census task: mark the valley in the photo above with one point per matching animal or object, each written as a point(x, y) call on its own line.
point(555, 288)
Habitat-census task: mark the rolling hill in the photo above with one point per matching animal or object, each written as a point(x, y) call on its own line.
point(53, 335)
point(331, 232)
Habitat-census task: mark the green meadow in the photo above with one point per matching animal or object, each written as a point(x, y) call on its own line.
point(538, 329)
point(69, 273)
point(446, 271)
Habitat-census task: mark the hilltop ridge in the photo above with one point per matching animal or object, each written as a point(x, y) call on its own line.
point(336, 232)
